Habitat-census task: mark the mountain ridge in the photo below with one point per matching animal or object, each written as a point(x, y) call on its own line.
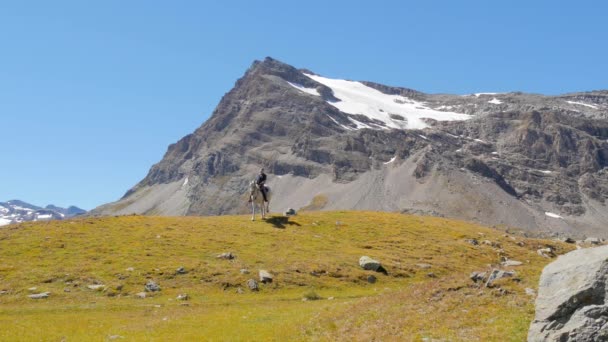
point(525, 160)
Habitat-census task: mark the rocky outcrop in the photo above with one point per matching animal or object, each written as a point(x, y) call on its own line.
point(572, 302)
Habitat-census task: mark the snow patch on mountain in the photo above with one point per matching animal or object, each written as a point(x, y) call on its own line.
point(359, 99)
point(495, 101)
point(582, 104)
point(311, 91)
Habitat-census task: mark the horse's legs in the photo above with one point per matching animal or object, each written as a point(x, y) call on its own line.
point(252, 210)
point(263, 210)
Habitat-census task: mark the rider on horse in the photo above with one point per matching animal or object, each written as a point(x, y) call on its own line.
point(259, 182)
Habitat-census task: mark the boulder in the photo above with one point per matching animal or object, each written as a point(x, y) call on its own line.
point(290, 212)
point(96, 287)
point(498, 274)
point(473, 242)
point(253, 285)
point(371, 279)
point(226, 256)
point(572, 301)
point(593, 240)
point(152, 286)
point(181, 270)
point(265, 276)
point(40, 295)
point(508, 263)
point(370, 264)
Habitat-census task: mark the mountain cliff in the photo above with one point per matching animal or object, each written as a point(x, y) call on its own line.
point(507, 159)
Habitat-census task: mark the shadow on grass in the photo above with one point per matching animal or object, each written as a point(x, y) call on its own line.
point(280, 222)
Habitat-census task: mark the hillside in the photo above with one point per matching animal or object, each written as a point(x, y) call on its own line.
point(426, 293)
point(511, 159)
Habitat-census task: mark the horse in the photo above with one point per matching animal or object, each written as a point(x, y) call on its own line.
point(255, 196)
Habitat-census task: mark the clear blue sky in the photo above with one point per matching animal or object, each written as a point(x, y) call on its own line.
point(91, 95)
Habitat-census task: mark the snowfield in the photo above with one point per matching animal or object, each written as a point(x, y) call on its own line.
point(582, 104)
point(357, 98)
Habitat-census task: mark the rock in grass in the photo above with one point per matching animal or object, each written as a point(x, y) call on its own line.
point(226, 256)
point(424, 266)
point(290, 212)
point(96, 287)
point(183, 296)
point(572, 302)
point(3, 292)
point(152, 286)
point(508, 263)
point(244, 271)
point(473, 242)
point(370, 264)
point(265, 276)
point(371, 279)
point(498, 274)
point(253, 285)
point(478, 276)
point(180, 270)
point(39, 295)
point(141, 295)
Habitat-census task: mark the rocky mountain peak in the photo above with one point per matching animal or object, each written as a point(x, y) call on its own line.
point(521, 160)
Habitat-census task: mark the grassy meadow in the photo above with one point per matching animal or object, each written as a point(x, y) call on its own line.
point(319, 292)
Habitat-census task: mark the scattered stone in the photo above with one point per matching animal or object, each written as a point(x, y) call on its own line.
point(491, 243)
point(240, 290)
point(478, 276)
point(114, 337)
point(546, 252)
point(521, 244)
point(370, 264)
point(290, 212)
point(119, 287)
point(568, 240)
point(431, 275)
point(253, 285)
point(152, 286)
point(3, 292)
point(183, 296)
point(96, 287)
point(244, 271)
point(509, 263)
point(498, 274)
point(130, 269)
point(226, 256)
point(530, 292)
point(141, 295)
point(39, 295)
point(32, 289)
point(330, 298)
point(371, 279)
point(473, 242)
point(180, 270)
point(593, 240)
point(424, 266)
point(265, 276)
point(572, 304)
point(67, 289)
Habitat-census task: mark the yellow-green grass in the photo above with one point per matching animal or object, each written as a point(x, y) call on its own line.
point(314, 253)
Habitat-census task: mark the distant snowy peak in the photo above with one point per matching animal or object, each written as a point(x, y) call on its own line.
point(16, 211)
point(392, 111)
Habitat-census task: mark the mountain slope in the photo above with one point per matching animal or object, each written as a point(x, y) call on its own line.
point(522, 160)
point(95, 267)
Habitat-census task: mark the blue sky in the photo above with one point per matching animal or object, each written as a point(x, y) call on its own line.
point(91, 95)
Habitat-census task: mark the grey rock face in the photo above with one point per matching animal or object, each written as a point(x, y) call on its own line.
point(572, 301)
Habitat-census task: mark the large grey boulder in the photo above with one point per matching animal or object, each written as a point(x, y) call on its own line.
point(572, 302)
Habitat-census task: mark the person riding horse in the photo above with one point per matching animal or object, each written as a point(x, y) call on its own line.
point(259, 182)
